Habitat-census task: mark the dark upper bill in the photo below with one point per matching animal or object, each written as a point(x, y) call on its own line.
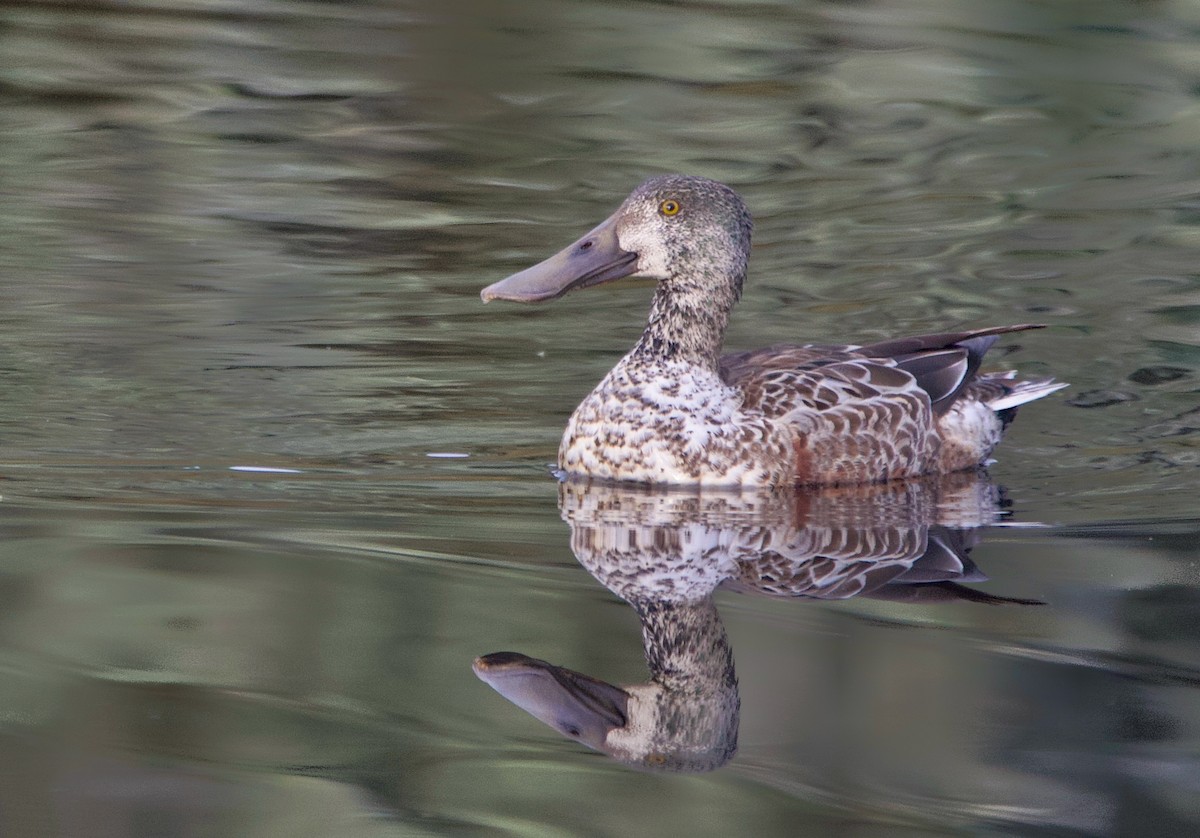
point(593, 259)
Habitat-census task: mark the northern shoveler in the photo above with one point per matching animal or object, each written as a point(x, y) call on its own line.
point(675, 411)
point(666, 553)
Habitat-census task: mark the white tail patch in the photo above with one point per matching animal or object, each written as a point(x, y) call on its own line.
point(1026, 391)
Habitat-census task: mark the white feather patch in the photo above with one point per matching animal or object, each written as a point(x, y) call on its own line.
point(1026, 391)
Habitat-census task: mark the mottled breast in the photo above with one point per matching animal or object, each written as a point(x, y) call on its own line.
point(676, 423)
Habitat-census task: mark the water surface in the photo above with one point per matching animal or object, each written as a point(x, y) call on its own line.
point(253, 235)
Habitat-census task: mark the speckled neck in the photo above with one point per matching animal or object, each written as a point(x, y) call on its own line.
point(687, 322)
point(686, 645)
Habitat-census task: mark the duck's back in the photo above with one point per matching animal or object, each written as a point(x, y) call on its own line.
point(882, 411)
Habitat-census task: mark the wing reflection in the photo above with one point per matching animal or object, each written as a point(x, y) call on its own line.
point(666, 552)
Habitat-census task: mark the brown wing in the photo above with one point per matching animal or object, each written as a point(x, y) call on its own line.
point(869, 413)
point(854, 421)
point(781, 379)
point(945, 365)
point(942, 365)
point(784, 356)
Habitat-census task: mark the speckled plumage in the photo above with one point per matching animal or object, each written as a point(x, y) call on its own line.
point(674, 411)
point(829, 542)
point(667, 551)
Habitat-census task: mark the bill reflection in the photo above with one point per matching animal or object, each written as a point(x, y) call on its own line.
point(667, 552)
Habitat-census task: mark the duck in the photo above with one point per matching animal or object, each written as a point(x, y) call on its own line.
point(683, 718)
point(676, 411)
point(666, 553)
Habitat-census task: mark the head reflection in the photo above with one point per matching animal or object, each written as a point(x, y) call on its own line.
point(666, 552)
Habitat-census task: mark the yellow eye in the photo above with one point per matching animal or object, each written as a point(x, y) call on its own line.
point(669, 207)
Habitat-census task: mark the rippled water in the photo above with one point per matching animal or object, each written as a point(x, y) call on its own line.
point(253, 235)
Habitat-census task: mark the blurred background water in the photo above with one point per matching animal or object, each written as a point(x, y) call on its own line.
point(253, 235)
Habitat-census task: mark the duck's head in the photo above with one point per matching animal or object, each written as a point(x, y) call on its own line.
point(649, 726)
point(686, 232)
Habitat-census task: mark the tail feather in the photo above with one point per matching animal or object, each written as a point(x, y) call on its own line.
point(1020, 392)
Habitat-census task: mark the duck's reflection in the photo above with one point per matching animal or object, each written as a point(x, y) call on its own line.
point(665, 553)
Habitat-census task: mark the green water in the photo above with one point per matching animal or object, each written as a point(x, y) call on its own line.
point(253, 235)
